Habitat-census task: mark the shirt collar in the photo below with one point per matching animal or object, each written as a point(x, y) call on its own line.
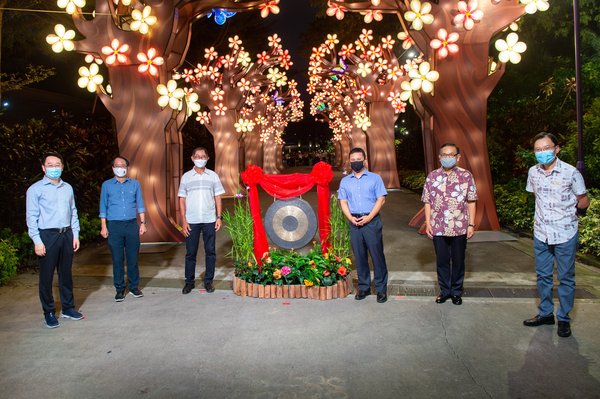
point(206, 171)
point(116, 181)
point(46, 180)
point(364, 173)
point(558, 167)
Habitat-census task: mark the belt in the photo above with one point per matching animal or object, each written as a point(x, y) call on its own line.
point(59, 231)
point(359, 215)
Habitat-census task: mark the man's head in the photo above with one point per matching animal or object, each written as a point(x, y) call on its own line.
point(449, 155)
point(52, 165)
point(119, 165)
point(358, 159)
point(200, 157)
point(545, 147)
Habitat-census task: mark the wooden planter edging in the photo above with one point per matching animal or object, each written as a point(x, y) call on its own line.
point(340, 290)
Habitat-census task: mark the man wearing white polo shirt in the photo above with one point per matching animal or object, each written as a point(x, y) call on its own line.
point(200, 193)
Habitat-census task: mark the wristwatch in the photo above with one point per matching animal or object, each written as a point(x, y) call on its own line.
point(143, 222)
point(471, 225)
point(220, 217)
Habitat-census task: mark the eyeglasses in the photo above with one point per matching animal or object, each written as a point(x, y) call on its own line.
point(53, 165)
point(119, 165)
point(448, 155)
point(201, 157)
point(546, 148)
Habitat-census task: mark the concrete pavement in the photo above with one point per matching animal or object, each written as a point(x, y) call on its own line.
point(167, 345)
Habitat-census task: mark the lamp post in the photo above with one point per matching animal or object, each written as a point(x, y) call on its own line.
point(580, 163)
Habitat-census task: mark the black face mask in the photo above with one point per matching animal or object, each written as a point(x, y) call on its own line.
point(357, 166)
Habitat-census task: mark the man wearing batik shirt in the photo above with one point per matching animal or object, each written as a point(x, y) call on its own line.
point(449, 195)
point(560, 196)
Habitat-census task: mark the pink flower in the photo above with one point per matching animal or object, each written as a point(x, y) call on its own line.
point(115, 52)
point(445, 43)
point(149, 61)
point(285, 270)
point(267, 8)
point(468, 14)
point(335, 9)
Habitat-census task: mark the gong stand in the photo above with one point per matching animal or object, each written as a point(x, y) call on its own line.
point(285, 187)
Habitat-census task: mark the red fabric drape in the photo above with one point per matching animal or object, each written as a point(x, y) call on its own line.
point(286, 187)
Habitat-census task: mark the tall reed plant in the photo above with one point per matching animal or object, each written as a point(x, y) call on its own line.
point(339, 237)
point(239, 226)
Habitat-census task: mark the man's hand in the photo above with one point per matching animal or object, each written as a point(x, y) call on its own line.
point(143, 229)
point(218, 224)
point(470, 231)
point(185, 228)
point(104, 232)
point(363, 220)
point(40, 249)
point(75, 244)
point(429, 230)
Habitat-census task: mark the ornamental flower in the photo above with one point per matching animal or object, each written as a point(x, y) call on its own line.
point(70, 6)
point(423, 78)
point(262, 57)
point(170, 95)
point(191, 101)
point(342, 271)
point(332, 40)
point(371, 15)
point(274, 75)
point(142, 20)
point(210, 53)
point(244, 126)
point(89, 58)
point(468, 14)
point(274, 41)
point(363, 69)
point(277, 274)
point(220, 109)
point(282, 81)
point(362, 122)
point(217, 94)
point(62, 40)
point(510, 49)
point(308, 283)
point(285, 270)
point(149, 61)
point(89, 77)
point(204, 118)
point(348, 261)
point(235, 42)
point(419, 14)
point(336, 9)
point(346, 50)
point(285, 59)
point(532, 6)
point(115, 52)
point(326, 273)
point(445, 43)
point(244, 58)
point(407, 41)
point(270, 7)
point(387, 42)
point(366, 36)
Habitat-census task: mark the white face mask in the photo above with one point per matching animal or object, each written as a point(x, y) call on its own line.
point(200, 163)
point(120, 172)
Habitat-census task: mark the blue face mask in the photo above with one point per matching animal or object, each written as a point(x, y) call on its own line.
point(53, 173)
point(448, 163)
point(545, 157)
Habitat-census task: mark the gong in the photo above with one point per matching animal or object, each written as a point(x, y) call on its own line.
point(290, 223)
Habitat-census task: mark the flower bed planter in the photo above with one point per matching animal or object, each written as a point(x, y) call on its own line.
point(340, 290)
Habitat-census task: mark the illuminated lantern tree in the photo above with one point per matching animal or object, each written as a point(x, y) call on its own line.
point(361, 79)
point(453, 38)
point(140, 43)
point(340, 124)
point(230, 87)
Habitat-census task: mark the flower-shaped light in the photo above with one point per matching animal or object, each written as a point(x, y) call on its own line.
point(282, 81)
point(63, 40)
point(149, 61)
point(423, 78)
point(363, 69)
point(191, 101)
point(244, 58)
point(336, 9)
point(407, 41)
point(285, 59)
point(89, 58)
point(267, 8)
point(371, 15)
point(70, 6)
point(115, 52)
point(419, 14)
point(362, 121)
point(274, 75)
point(387, 42)
point(170, 95)
point(217, 94)
point(510, 49)
point(468, 14)
point(532, 6)
point(89, 77)
point(235, 42)
point(142, 20)
point(406, 94)
point(445, 43)
point(274, 41)
point(244, 125)
point(203, 117)
point(331, 40)
point(220, 109)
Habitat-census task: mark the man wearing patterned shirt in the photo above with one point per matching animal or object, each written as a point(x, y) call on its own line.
point(560, 196)
point(120, 202)
point(449, 195)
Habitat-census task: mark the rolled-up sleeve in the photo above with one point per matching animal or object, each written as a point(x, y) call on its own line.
point(103, 201)
point(139, 199)
point(74, 218)
point(33, 215)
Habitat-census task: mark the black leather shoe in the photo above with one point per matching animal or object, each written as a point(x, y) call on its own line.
point(539, 320)
point(381, 297)
point(209, 287)
point(187, 288)
point(442, 298)
point(362, 294)
point(564, 329)
point(457, 299)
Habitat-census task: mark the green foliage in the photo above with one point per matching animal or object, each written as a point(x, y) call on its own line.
point(18, 80)
point(339, 237)
point(283, 267)
point(239, 226)
point(23, 247)
point(514, 205)
point(589, 226)
point(8, 261)
point(414, 181)
point(90, 228)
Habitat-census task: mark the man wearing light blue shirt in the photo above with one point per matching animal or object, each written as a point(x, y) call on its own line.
point(120, 202)
point(361, 196)
point(560, 196)
point(54, 228)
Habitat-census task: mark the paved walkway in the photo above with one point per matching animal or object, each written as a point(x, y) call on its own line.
point(218, 345)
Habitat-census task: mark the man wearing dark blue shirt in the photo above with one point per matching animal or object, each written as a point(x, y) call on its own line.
point(120, 202)
point(361, 196)
point(54, 228)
